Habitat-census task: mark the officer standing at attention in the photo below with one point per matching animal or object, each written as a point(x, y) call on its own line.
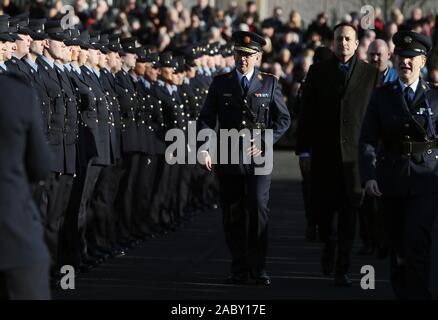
point(399, 163)
point(245, 195)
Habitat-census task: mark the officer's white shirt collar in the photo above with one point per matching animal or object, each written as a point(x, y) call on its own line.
point(89, 68)
point(68, 67)
point(170, 88)
point(33, 64)
point(133, 76)
point(248, 75)
point(187, 81)
point(146, 83)
point(76, 68)
point(96, 72)
point(60, 66)
point(207, 71)
point(3, 66)
point(413, 86)
point(49, 61)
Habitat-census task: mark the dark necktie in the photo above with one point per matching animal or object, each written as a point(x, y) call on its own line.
point(344, 67)
point(409, 96)
point(244, 83)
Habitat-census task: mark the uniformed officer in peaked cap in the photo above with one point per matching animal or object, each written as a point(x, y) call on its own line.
point(399, 164)
point(245, 98)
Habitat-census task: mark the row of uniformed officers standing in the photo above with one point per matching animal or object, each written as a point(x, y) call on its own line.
point(106, 105)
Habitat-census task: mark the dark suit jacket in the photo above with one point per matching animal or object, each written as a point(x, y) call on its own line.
point(25, 158)
point(333, 106)
point(388, 122)
point(224, 103)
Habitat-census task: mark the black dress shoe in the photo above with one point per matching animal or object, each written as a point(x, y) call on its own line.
point(342, 280)
point(237, 278)
point(261, 278)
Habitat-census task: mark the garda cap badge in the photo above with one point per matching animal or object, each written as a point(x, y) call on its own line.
point(247, 39)
point(407, 39)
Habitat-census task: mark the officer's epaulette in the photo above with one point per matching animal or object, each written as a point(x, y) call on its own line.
point(433, 85)
point(267, 74)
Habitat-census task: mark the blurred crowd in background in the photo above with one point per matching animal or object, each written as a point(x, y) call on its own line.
point(291, 42)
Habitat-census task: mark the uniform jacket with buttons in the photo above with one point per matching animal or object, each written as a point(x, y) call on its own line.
point(147, 116)
point(173, 108)
point(55, 116)
point(128, 102)
point(87, 115)
point(333, 107)
point(103, 118)
point(224, 104)
point(71, 134)
point(388, 122)
point(108, 83)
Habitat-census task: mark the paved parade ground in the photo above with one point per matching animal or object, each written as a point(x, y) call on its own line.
point(193, 263)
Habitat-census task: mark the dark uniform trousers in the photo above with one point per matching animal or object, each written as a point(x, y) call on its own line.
point(410, 241)
point(244, 201)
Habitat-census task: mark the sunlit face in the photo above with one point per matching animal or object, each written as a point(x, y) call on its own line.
point(166, 74)
point(150, 72)
point(409, 68)
point(93, 57)
point(139, 68)
point(3, 49)
point(345, 42)
point(83, 57)
point(75, 52)
point(67, 55)
point(379, 56)
point(37, 47)
point(55, 48)
point(103, 60)
point(23, 45)
point(245, 63)
point(129, 60)
point(112, 59)
point(11, 48)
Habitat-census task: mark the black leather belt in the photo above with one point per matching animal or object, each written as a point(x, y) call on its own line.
point(409, 147)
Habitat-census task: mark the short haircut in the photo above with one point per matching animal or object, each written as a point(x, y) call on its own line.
point(346, 24)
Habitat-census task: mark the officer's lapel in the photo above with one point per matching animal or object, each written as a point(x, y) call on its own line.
point(398, 95)
point(355, 78)
point(401, 101)
point(237, 88)
point(419, 94)
point(50, 71)
point(255, 83)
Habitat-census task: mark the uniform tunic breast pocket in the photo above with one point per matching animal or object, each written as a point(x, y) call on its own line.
point(431, 160)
